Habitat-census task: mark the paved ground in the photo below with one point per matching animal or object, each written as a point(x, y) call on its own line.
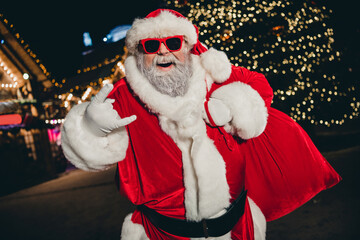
point(79, 205)
point(82, 205)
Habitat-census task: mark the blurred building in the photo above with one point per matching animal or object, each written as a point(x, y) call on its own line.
point(28, 147)
point(33, 104)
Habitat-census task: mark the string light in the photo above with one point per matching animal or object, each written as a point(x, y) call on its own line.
point(121, 67)
point(288, 41)
point(54, 121)
point(100, 80)
point(24, 45)
point(86, 94)
point(10, 75)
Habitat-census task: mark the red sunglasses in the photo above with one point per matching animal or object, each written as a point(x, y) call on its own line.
point(152, 45)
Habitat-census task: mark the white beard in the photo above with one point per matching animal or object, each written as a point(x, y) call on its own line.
point(174, 82)
point(165, 104)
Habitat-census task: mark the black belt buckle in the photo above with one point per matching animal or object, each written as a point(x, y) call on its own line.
point(205, 228)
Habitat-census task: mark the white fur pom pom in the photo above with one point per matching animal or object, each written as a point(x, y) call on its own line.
point(217, 64)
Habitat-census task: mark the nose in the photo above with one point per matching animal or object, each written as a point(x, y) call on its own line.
point(163, 49)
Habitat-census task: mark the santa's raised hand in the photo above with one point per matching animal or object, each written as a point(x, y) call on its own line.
point(100, 118)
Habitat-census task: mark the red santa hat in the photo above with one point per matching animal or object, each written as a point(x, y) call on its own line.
point(165, 22)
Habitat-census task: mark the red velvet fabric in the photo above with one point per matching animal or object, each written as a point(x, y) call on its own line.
point(281, 169)
point(284, 169)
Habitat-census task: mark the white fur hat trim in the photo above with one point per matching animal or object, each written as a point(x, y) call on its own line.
point(164, 24)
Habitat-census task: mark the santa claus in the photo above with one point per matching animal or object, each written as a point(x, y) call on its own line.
point(198, 148)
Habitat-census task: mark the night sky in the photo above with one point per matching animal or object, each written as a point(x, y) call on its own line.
point(54, 30)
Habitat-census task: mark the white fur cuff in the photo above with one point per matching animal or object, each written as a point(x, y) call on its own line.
point(247, 108)
point(87, 151)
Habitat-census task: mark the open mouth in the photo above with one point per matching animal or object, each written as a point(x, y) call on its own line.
point(165, 64)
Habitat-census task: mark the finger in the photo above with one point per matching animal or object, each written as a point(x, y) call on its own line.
point(109, 100)
point(125, 121)
point(103, 93)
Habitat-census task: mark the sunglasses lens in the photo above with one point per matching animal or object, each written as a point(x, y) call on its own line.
point(152, 46)
point(174, 43)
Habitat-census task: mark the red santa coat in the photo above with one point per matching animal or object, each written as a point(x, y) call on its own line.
point(281, 169)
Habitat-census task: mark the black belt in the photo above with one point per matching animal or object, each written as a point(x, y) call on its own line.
point(213, 227)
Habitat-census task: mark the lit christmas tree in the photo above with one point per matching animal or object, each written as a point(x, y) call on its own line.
point(291, 43)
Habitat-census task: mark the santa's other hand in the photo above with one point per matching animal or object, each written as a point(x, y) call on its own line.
point(220, 113)
point(100, 118)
